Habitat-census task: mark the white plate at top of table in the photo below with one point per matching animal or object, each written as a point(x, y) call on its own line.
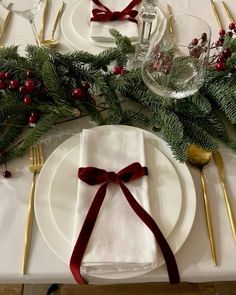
point(75, 26)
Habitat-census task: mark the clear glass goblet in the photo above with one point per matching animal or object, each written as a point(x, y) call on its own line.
point(27, 9)
point(175, 64)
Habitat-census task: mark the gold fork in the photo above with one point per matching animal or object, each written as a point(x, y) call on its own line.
point(36, 161)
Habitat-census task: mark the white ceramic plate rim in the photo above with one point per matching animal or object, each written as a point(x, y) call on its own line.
point(47, 226)
point(77, 40)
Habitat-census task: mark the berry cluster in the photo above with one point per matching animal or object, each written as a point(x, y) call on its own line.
point(162, 61)
point(221, 56)
point(25, 89)
point(198, 46)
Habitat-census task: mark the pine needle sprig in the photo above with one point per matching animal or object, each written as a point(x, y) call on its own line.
point(53, 83)
point(222, 93)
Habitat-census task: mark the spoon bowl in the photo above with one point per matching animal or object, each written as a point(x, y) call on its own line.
point(50, 43)
point(198, 157)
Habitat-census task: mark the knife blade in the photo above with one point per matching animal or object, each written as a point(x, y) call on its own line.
point(220, 166)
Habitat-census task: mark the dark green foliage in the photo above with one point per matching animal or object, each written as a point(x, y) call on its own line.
point(111, 99)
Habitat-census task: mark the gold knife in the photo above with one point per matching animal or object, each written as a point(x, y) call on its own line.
point(220, 165)
point(59, 14)
point(6, 22)
point(216, 14)
point(44, 17)
point(230, 16)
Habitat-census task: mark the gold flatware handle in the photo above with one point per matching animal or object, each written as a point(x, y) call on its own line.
point(220, 166)
point(216, 14)
point(58, 17)
point(44, 17)
point(208, 219)
point(5, 23)
point(29, 224)
point(171, 29)
point(230, 16)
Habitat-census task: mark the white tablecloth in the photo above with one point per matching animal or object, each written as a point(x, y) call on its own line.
point(194, 258)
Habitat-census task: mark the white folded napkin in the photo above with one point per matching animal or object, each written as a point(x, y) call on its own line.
point(99, 31)
point(120, 241)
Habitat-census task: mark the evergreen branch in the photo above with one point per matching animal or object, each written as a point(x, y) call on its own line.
point(53, 83)
point(221, 92)
point(199, 136)
point(135, 118)
point(11, 132)
point(10, 52)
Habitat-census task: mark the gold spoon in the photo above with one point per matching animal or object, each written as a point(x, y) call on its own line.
point(54, 42)
point(199, 158)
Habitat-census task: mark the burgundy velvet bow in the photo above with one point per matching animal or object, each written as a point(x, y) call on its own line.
point(94, 176)
point(105, 14)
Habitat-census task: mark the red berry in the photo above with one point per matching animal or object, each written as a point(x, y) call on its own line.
point(8, 75)
point(229, 34)
point(222, 32)
point(231, 26)
point(7, 174)
point(29, 84)
point(22, 90)
point(33, 114)
point(117, 70)
point(78, 92)
point(217, 43)
point(2, 76)
point(194, 41)
point(30, 74)
point(220, 66)
point(227, 52)
point(27, 100)
point(33, 119)
point(14, 84)
point(221, 57)
point(2, 85)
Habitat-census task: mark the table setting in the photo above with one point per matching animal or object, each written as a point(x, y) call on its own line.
point(117, 142)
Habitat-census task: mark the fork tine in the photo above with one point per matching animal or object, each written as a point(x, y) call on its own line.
point(41, 154)
point(37, 157)
point(31, 157)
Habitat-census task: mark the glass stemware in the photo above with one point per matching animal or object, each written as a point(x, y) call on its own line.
point(175, 64)
point(147, 14)
point(27, 9)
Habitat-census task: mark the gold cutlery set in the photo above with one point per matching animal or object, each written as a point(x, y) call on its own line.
point(50, 42)
point(40, 40)
point(200, 158)
point(217, 15)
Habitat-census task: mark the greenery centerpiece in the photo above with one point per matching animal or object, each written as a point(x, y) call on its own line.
point(45, 87)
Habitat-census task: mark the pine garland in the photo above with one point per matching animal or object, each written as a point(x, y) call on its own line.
point(198, 119)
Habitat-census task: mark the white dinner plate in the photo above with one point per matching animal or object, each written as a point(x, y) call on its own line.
point(53, 236)
point(165, 202)
point(75, 26)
